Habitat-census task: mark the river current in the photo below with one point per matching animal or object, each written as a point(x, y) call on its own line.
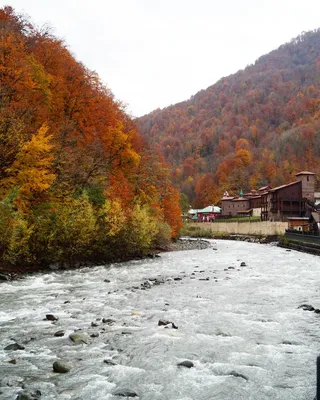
point(240, 326)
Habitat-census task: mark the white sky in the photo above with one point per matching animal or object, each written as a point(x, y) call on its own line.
point(153, 53)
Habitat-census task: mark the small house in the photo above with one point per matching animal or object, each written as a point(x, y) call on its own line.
point(207, 214)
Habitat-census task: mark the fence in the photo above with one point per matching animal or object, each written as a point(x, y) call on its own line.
point(267, 228)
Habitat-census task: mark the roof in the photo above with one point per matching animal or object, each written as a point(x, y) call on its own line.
point(298, 218)
point(283, 186)
point(207, 209)
point(244, 211)
point(305, 173)
point(210, 209)
point(240, 199)
point(264, 188)
point(192, 211)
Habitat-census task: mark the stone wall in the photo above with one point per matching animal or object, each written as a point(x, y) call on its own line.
point(245, 228)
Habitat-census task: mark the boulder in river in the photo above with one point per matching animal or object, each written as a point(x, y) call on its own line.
point(243, 264)
point(28, 395)
point(79, 338)
point(167, 324)
point(237, 375)
point(108, 321)
point(109, 362)
point(163, 322)
point(306, 307)
point(186, 363)
point(59, 333)
point(61, 367)
point(125, 393)
point(14, 346)
point(51, 317)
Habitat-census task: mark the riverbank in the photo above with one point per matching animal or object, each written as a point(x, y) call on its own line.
point(10, 272)
point(304, 247)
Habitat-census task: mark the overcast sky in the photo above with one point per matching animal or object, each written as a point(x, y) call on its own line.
point(153, 53)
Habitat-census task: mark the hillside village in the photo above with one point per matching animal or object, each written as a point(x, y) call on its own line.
point(296, 202)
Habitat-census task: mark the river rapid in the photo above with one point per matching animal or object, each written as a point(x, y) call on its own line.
point(240, 326)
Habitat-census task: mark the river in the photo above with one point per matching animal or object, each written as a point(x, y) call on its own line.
point(240, 326)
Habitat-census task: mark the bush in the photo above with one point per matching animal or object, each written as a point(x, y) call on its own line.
point(140, 231)
point(63, 232)
point(14, 234)
point(163, 236)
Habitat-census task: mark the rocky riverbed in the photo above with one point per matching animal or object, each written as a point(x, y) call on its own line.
point(234, 320)
point(8, 273)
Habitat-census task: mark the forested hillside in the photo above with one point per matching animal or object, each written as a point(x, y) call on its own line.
point(256, 127)
point(77, 181)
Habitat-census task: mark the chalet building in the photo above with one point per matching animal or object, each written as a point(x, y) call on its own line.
point(289, 200)
point(295, 199)
point(248, 204)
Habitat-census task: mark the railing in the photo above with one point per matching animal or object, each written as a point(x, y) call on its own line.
point(318, 379)
point(307, 237)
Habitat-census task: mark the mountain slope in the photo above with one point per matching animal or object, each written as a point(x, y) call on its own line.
point(256, 127)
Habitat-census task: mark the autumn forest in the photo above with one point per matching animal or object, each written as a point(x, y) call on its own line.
point(259, 126)
point(78, 182)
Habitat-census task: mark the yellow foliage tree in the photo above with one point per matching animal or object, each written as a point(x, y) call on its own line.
point(31, 171)
point(113, 217)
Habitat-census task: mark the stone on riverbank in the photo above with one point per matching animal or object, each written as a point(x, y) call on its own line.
point(5, 277)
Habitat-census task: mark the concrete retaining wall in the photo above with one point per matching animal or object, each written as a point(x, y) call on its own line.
point(245, 228)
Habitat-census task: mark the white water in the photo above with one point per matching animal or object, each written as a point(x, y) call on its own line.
point(247, 322)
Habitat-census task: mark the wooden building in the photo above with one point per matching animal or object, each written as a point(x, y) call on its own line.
point(294, 199)
point(289, 200)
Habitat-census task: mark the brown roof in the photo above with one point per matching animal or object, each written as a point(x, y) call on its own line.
point(283, 186)
point(240, 199)
point(305, 173)
point(264, 188)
